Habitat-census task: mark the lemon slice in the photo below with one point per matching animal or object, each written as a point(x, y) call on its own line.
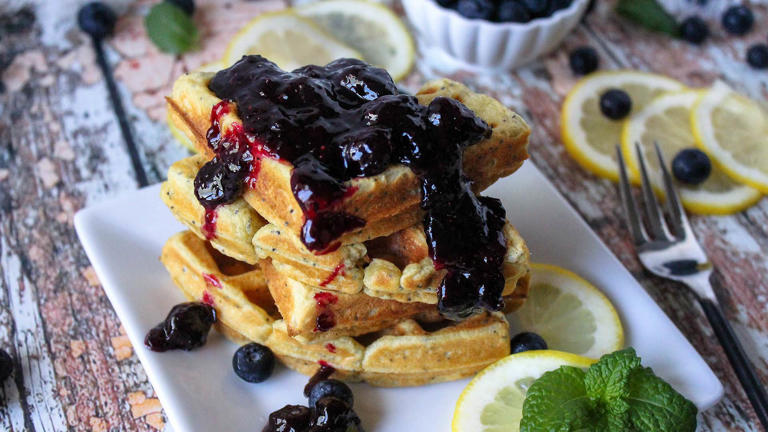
point(370, 28)
point(288, 40)
point(589, 136)
point(733, 130)
point(569, 313)
point(666, 120)
point(493, 400)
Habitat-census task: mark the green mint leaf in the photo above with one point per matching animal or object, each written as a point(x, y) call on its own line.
point(654, 406)
point(649, 14)
point(607, 381)
point(558, 401)
point(170, 28)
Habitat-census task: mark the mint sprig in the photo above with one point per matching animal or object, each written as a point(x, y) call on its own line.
point(616, 394)
point(170, 28)
point(649, 14)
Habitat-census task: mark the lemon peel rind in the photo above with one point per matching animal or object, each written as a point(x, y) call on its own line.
point(703, 127)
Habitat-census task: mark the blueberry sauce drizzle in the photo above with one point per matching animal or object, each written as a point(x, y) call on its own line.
point(325, 320)
point(186, 327)
point(323, 373)
point(347, 120)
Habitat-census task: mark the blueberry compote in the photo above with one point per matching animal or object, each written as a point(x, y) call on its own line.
point(347, 120)
point(186, 327)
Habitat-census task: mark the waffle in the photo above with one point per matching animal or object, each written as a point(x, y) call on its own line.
point(388, 202)
point(395, 267)
point(236, 223)
point(408, 353)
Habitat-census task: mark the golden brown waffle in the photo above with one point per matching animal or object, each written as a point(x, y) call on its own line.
point(235, 223)
point(405, 354)
point(388, 202)
point(395, 267)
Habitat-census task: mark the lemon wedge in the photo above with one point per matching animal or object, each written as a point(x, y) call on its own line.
point(733, 131)
point(370, 28)
point(569, 313)
point(288, 40)
point(493, 400)
point(589, 136)
point(666, 120)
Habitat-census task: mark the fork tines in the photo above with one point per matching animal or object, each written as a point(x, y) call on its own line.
point(655, 222)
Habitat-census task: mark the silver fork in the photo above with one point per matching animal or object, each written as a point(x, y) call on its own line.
point(667, 248)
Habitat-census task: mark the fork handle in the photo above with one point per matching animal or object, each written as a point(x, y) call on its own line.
point(739, 360)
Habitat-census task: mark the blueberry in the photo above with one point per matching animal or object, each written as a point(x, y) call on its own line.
point(691, 166)
point(446, 3)
point(738, 20)
point(253, 362)
point(290, 418)
point(556, 5)
point(366, 153)
point(96, 19)
point(694, 30)
point(186, 327)
point(536, 8)
point(757, 56)
point(615, 104)
point(220, 181)
point(476, 9)
point(527, 341)
point(333, 414)
point(512, 11)
point(583, 60)
point(331, 387)
point(188, 6)
point(6, 365)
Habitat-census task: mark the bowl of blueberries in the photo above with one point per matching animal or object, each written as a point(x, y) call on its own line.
point(492, 34)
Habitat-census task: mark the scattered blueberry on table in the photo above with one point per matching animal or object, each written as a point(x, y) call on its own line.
point(757, 56)
point(691, 166)
point(519, 11)
point(6, 365)
point(527, 341)
point(253, 362)
point(583, 60)
point(694, 30)
point(615, 104)
point(96, 19)
point(188, 6)
point(738, 20)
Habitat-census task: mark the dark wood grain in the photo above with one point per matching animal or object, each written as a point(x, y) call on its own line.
point(60, 150)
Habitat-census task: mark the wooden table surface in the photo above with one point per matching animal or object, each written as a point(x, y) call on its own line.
point(61, 150)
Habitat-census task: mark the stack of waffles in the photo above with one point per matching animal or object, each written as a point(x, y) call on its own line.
point(367, 304)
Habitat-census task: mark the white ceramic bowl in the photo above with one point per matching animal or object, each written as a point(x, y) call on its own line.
point(480, 44)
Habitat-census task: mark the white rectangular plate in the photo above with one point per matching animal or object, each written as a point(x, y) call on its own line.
point(201, 393)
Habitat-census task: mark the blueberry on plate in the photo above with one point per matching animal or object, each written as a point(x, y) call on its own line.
point(537, 8)
point(289, 418)
point(527, 341)
point(6, 365)
point(476, 9)
point(331, 387)
point(188, 6)
point(738, 20)
point(253, 362)
point(333, 414)
point(512, 11)
point(583, 60)
point(691, 166)
point(757, 56)
point(96, 19)
point(694, 30)
point(615, 104)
